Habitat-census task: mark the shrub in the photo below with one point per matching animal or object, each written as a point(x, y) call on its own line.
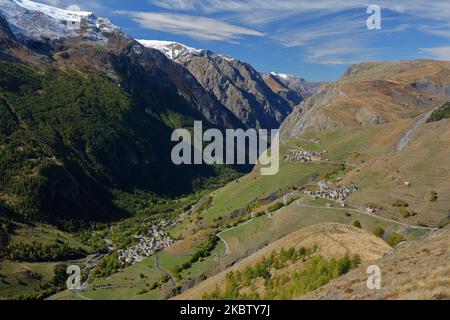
point(400, 203)
point(433, 195)
point(275, 207)
point(442, 113)
point(404, 213)
point(379, 232)
point(395, 239)
point(357, 224)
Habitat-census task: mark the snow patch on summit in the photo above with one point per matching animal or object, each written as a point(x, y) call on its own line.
point(172, 50)
point(55, 13)
point(283, 76)
point(34, 21)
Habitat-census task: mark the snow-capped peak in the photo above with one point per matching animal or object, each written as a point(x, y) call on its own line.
point(53, 12)
point(30, 20)
point(173, 50)
point(179, 52)
point(283, 76)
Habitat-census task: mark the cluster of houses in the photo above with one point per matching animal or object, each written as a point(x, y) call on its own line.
point(338, 194)
point(304, 156)
point(312, 140)
point(147, 246)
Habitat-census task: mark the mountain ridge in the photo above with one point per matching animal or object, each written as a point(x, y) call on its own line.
point(373, 93)
point(236, 84)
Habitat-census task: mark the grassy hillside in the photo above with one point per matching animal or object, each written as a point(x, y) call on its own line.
point(69, 139)
point(413, 271)
point(324, 242)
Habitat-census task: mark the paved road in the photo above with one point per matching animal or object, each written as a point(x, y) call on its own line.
point(367, 213)
point(158, 267)
point(219, 235)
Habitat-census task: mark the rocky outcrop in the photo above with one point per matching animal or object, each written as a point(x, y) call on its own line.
point(235, 84)
point(292, 88)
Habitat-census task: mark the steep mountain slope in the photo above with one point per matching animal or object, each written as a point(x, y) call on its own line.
point(333, 241)
point(236, 84)
point(294, 89)
point(373, 93)
point(88, 112)
point(414, 270)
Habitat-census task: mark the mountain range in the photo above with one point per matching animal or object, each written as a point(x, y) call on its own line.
point(236, 84)
point(147, 93)
point(86, 118)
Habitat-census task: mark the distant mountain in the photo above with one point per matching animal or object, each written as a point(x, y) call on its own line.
point(91, 112)
point(373, 93)
point(293, 88)
point(236, 84)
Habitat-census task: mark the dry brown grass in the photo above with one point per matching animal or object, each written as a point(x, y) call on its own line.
point(334, 240)
point(424, 163)
point(416, 270)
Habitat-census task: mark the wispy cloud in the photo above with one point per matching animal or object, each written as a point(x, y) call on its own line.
point(439, 53)
point(328, 31)
point(89, 5)
point(436, 9)
point(442, 30)
point(193, 26)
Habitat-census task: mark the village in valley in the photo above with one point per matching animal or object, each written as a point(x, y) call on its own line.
point(147, 246)
point(303, 156)
point(338, 194)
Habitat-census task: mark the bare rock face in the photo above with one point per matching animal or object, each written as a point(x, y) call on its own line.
point(292, 88)
point(372, 94)
point(236, 84)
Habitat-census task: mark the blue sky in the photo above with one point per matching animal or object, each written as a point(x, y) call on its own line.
point(316, 39)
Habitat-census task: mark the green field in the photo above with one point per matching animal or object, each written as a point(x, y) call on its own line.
point(237, 195)
point(16, 278)
point(255, 235)
point(134, 282)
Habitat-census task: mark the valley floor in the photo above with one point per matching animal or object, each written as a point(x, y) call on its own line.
point(255, 214)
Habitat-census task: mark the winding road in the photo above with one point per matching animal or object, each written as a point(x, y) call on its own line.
point(368, 214)
point(158, 267)
point(219, 235)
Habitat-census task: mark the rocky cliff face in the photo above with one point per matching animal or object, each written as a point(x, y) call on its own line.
point(373, 93)
point(294, 89)
point(236, 84)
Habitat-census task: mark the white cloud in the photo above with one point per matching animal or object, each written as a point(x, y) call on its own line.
point(440, 30)
point(84, 5)
point(193, 26)
point(270, 10)
point(439, 53)
point(342, 51)
point(312, 25)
